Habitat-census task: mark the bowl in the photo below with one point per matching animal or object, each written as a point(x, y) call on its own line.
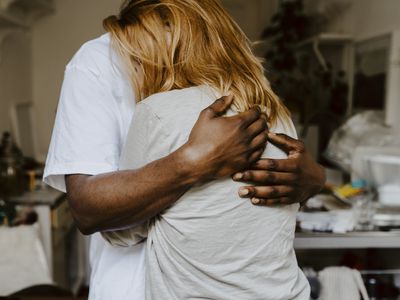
point(384, 175)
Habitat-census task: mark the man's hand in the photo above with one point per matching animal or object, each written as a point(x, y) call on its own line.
point(220, 146)
point(283, 181)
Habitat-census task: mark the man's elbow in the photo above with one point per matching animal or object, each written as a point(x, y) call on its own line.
point(84, 226)
point(84, 220)
point(82, 210)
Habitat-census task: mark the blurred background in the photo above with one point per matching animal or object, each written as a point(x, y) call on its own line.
point(335, 64)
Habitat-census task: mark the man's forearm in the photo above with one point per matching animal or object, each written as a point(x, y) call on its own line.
point(123, 198)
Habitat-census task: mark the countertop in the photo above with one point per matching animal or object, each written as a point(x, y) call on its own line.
point(46, 196)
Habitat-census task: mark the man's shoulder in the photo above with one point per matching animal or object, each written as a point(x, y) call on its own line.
point(96, 56)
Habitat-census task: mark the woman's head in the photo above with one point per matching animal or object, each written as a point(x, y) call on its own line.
point(176, 44)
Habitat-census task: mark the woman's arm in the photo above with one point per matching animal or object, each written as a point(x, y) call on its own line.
point(217, 147)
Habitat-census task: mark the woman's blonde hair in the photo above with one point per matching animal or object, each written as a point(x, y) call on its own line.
point(184, 43)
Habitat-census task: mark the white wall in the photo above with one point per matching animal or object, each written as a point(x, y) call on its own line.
point(252, 15)
point(363, 18)
point(55, 40)
point(15, 74)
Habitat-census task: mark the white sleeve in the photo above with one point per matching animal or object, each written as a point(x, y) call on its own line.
point(86, 135)
point(145, 142)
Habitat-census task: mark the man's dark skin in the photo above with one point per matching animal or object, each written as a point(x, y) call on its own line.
point(217, 147)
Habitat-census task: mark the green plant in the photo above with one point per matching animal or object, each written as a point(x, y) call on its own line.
point(305, 88)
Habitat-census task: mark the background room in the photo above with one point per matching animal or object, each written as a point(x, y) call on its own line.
point(335, 64)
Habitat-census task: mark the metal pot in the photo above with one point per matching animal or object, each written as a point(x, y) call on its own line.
point(11, 168)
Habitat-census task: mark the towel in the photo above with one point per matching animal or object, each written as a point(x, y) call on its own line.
point(341, 283)
point(22, 259)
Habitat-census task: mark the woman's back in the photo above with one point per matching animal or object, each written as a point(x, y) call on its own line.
point(211, 244)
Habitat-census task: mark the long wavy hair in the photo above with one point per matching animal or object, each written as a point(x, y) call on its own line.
point(183, 43)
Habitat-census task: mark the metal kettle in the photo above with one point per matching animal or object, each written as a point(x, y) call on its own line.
point(11, 168)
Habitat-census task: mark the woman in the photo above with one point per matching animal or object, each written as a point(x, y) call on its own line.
point(211, 244)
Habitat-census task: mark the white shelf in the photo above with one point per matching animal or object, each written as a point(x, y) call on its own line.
point(352, 240)
point(327, 39)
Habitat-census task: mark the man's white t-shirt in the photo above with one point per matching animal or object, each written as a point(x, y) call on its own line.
point(93, 115)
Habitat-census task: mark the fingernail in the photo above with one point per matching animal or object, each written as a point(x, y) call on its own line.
point(238, 176)
point(255, 201)
point(243, 192)
point(271, 133)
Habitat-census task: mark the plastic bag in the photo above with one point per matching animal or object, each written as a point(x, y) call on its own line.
point(364, 129)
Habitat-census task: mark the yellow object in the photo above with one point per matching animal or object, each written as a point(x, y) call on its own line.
point(347, 191)
point(32, 180)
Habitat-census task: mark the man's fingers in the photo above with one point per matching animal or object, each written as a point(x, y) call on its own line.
point(257, 147)
point(272, 202)
point(256, 155)
point(262, 177)
point(277, 165)
point(285, 142)
point(266, 192)
point(249, 117)
point(257, 127)
point(219, 107)
point(258, 142)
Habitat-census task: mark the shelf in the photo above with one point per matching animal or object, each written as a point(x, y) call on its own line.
point(34, 9)
point(9, 21)
point(352, 240)
point(47, 196)
point(327, 39)
point(34, 4)
point(22, 13)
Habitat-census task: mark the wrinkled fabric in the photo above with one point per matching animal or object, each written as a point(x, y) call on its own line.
point(341, 283)
point(210, 244)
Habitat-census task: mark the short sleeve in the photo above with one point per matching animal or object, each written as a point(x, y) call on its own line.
point(86, 137)
point(146, 141)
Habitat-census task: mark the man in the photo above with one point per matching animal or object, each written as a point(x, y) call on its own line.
point(94, 112)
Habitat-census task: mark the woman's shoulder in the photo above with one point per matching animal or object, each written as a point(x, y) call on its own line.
point(179, 100)
point(284, 124)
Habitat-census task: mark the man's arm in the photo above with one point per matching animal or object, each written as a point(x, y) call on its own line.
point(283, 181)
point(217, 147)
